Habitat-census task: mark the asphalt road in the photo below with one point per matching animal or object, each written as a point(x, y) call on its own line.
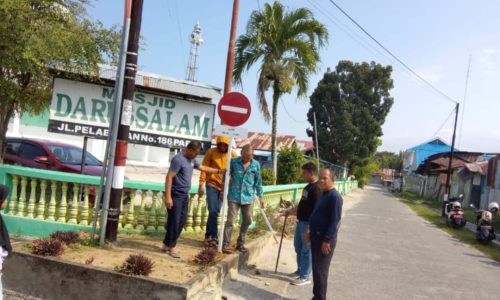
point(385, 251)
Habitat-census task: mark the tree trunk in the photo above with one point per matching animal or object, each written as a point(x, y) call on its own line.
point(274, 152)
point(5, 115)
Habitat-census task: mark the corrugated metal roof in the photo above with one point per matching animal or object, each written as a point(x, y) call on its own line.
point(155, 81)
point(262, 141)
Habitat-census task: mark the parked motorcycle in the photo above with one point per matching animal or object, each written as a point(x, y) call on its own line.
point(454, 212)
point(485, 232)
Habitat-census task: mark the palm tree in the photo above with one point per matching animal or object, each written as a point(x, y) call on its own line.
point(286, 43)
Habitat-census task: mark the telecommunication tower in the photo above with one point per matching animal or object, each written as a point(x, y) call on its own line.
point(196, 40)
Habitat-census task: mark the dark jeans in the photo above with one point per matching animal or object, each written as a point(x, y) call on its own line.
point(177, 216)
point(247, 213)
point(213, 203)
point(320, 266)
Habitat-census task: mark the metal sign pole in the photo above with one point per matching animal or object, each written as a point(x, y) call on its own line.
point(117, 103)
point(225, 192)
point(82, 165)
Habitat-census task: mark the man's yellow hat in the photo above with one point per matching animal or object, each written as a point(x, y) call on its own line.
point(223, 140)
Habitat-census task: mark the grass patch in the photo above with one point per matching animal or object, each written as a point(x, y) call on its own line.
point(427, 209)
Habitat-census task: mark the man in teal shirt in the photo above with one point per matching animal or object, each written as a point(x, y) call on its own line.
point(245, 183)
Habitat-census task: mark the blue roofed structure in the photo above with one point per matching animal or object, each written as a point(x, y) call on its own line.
point(414, 156)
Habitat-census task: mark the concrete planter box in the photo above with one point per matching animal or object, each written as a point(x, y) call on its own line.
point(50, 278)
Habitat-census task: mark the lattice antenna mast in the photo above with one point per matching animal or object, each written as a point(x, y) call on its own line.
point(196, 40)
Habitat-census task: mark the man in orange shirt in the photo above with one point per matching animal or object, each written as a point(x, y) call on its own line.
point(214, 158)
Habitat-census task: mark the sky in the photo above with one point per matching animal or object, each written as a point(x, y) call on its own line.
point(435, 38)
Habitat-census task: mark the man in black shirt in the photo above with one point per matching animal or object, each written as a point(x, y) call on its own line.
point(310, 195)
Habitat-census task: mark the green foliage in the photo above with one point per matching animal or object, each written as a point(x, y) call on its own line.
point(267, 177)
point(362, 171)
point(285, 44)
point(351, 104)
point(389, 160)
point(290, 162)
point(39, 39)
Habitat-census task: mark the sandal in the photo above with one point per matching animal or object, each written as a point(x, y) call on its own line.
point(175, 254)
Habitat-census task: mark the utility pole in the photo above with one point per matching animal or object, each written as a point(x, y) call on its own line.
point(448, 175)
point(230, 51)
point(107, 172)
point(125, 120)
point(316, 139)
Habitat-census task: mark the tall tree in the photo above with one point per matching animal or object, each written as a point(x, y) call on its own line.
point(389, 160)
point(39, 37)
point(285, 43)
point(290, 161)
point(351, 104)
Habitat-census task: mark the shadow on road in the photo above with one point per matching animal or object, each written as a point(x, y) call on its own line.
point(491, 263)
point(253, 292)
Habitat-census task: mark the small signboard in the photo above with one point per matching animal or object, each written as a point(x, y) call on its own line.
point(232, 132)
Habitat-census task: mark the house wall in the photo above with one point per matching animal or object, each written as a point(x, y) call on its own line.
point(413, 184)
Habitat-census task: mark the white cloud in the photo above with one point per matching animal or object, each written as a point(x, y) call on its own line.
point(488, 59)
point(489, 51)
point(432, 73)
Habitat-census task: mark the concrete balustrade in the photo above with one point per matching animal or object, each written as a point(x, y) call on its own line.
point(55, 197)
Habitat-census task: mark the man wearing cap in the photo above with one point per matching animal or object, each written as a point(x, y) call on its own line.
point(215, 158)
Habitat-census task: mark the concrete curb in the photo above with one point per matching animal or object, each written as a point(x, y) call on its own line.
point(51, 278)
point(208, 284)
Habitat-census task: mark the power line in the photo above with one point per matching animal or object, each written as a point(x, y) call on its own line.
point(393, 55)
point(290, 116)
point(444, 123)
point(366, 45)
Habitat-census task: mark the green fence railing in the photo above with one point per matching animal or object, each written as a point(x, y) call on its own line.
point(53, 198)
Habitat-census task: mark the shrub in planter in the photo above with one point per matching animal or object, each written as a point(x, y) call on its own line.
point(137, 264)
point(206, 256)
point(47, 247)
point(67, 237)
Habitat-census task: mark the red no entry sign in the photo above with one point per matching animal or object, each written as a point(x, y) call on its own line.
point(234, 109)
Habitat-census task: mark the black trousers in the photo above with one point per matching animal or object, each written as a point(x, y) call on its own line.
point(176, 220)
point(320, 266)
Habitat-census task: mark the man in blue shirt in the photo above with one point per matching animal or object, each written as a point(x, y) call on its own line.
point(324, 224)
point(245, 183)
point(177, 186)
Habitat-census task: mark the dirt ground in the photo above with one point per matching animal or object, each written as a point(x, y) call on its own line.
point(165, 267)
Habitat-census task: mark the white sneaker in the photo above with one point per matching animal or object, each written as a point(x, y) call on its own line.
point(301, 281)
